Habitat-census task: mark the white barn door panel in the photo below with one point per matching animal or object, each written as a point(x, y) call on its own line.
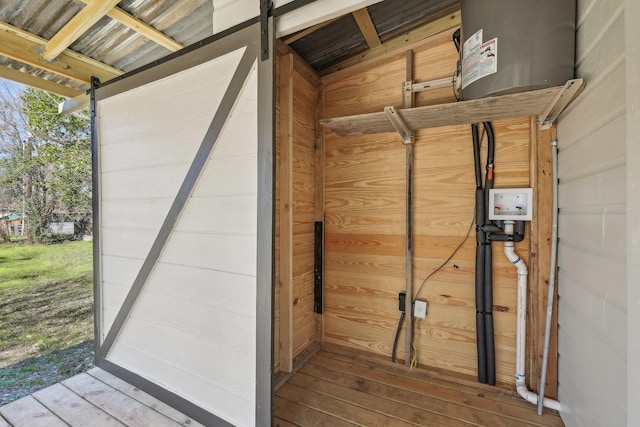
point(178, 174)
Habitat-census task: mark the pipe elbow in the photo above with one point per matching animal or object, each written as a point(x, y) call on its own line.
point(532, 397)
point(511, 255)
point(524, 392)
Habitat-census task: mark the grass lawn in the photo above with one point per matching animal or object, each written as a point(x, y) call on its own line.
point(46, 315)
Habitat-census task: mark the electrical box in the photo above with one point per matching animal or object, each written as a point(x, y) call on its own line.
point(511, 204)
point(420, 309)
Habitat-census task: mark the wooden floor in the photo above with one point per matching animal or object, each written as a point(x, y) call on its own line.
point(337, 388)
point(94, 399)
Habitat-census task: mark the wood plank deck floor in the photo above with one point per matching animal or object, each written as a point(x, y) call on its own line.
point(337, 388)
point(93, 399)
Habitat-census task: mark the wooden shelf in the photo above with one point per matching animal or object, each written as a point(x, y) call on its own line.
point(546, 104)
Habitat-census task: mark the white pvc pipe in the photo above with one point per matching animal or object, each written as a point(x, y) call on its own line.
point(552, 270)
point(521, 326)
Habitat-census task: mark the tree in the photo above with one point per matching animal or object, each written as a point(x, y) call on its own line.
point(13, 135)
point(67, 150)
point(46, 160)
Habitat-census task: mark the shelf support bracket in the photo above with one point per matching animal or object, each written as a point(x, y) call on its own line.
point(399, 125)
point(431, 84)
point(559, 103)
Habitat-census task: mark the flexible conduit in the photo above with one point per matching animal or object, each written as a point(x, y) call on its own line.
point(395, 340)
point(552, 272)
point(521, 327)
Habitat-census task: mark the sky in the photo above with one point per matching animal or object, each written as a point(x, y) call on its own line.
point(9, 91)
point(10, 87)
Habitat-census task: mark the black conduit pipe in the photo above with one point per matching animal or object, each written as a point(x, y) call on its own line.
point(518, 231)
point(484, 259)
point(395, 341)
point(480, 260)
point(484, 255)
point(488, 262)
point(488, 315)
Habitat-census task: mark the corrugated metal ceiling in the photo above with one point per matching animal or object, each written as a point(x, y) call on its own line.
point(342, 39)
point(189, 21)
point(396, 17)
point(186, 21)
point(108, 41)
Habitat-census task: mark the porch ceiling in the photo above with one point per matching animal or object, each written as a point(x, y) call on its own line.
point(58, 45)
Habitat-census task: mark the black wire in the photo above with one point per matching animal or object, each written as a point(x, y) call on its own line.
point(486, 127)
point(456, 41)
point(453, 85)
point(395, 340)
point(489, 169)
point(476, 155)
point(448, 259)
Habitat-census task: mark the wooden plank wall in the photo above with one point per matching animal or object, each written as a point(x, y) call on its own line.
point(540, 263)
point(365, 214)
point(296, 96)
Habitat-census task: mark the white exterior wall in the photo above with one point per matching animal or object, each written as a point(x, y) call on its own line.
point(593, 284)
point(192, 329)
point(632, 31)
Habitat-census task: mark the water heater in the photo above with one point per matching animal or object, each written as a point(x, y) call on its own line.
point(516, 45)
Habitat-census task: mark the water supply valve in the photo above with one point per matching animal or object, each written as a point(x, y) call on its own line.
point(511, 204)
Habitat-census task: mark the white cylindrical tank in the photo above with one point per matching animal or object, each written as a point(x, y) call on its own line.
point(516, 45)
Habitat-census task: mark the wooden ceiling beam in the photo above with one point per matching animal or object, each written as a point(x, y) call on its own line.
point(367, 27)
point(142, 28)
point(73, 104)
point(23, 46)
point(37, 82)
point(78, 25)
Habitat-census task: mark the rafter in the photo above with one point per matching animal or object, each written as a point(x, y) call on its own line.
point(30, 80)
point(78, 25)
point(73, 104)
point(367, 28)
point(142, 28)
point(22, 46)
point(445, 23)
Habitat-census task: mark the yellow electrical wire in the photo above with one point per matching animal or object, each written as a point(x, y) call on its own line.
point(414, 353)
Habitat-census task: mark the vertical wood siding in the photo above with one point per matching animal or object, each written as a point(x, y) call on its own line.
point(365, 219)
point(304, 84)
point(592, 251)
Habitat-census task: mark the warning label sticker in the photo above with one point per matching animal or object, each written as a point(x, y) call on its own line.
point(479, 59)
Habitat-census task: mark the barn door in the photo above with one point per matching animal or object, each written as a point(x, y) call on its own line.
point(183, 229)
